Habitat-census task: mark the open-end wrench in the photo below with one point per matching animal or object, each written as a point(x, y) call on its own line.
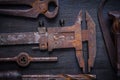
point(38, 7)
point(23, 59)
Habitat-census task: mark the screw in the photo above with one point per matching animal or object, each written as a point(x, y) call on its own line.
point(61, 22)
point(41, 23)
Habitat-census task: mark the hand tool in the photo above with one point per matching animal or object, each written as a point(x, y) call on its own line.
point(59, 37)
point(15, 75)
point(38, 7)
point(23, 59)
point(107, 37)
point(115, 16)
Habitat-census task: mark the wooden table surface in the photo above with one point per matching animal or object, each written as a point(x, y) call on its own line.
point(67, 63)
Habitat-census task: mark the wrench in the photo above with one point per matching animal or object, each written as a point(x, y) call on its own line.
point(38, 7)
point(23, 59)
point(58, 38)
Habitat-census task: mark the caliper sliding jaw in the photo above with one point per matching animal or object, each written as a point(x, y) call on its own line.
point(59, 37)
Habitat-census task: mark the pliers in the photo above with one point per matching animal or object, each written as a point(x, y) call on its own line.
point(38, 7)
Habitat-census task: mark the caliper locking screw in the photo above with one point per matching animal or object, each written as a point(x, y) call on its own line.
point(41, 23)
point(61, 22)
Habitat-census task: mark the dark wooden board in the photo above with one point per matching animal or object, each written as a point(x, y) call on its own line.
point(67, 63)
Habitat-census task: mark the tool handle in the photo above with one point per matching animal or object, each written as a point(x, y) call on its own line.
point(10, 75)
point(17, 2)
point(44, 59)
point(7, 59)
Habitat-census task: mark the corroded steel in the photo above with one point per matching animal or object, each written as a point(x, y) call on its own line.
point(23, 59)
point(107, 36)
point(37, 7)
point(59, 37)
point(15, 75)
point(115, 16)
point(61, 77)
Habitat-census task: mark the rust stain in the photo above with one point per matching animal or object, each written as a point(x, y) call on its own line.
point(62, 37)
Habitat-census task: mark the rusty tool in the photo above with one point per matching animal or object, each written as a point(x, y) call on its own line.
point(23, 59)
point(15, 75)
point(107, 36)
point(115, 16)
point(38, 7)
point(59, 37)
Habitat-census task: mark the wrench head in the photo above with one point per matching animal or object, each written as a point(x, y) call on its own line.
point(51, 14)
point(37, 7)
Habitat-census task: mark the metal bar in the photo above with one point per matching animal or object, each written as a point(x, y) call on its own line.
point(62, 77)
point(91, 41)
point(15, 75)
point(59, 38)
point(19, 38)
point(23, 59)
point(44, 59)
point(106, 35)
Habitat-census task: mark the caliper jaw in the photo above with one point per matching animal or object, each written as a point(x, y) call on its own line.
point(71, 37)
point(91, 38)
point(58, 38)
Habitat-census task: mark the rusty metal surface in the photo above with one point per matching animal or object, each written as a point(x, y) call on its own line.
point(118, 49)
point(15, 75)
point(23, 59)
point(67, 60)
point(61, 77)
point(59, 37)
point(115, 16)
point(37, 7)
point(19, 38)
point(91, 40)
point(118, 52)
